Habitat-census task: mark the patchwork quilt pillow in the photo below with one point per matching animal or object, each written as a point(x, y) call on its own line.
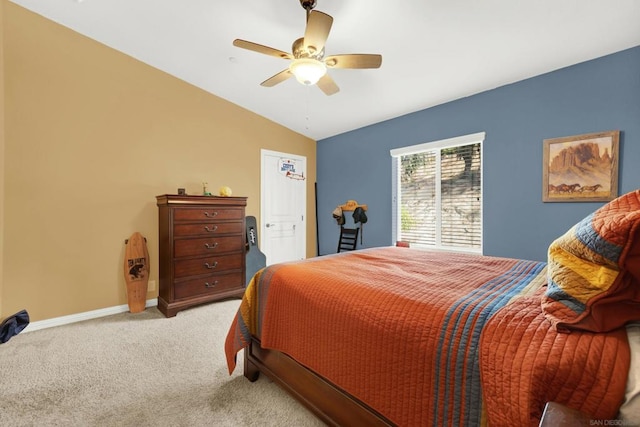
point(594, 270)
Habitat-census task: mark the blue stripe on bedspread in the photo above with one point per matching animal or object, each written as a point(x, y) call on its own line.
point(466, 319)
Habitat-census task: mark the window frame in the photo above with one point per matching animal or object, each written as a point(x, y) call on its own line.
point(437, 145)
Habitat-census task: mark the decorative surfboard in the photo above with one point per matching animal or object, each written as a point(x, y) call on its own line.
point(136, 272)
point(255, 259)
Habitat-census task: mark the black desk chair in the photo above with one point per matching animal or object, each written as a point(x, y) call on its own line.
point(348, 239)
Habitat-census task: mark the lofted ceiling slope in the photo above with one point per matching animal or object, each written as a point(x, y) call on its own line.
point(433, 51)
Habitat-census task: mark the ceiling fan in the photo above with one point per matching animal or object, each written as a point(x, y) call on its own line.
point(308, 63)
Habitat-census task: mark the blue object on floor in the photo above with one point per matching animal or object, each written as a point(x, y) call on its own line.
point(13, 325)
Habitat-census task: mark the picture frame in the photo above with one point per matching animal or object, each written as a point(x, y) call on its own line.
point(581, 168)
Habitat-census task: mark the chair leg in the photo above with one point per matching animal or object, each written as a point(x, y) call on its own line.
point(348, 240)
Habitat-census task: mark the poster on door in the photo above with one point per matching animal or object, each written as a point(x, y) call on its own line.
point(289, 168)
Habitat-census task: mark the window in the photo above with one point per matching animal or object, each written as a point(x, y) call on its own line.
point(437, 194)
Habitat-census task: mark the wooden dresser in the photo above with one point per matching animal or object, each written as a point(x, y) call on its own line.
point(202, 250)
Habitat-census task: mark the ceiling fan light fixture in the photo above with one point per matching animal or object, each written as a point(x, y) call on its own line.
point(308, 63)
point(307, 70)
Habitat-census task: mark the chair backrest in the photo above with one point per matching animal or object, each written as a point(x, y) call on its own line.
point(348, 239)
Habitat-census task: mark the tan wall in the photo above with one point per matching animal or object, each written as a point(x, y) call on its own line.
point(92, 136)
point(1, 148)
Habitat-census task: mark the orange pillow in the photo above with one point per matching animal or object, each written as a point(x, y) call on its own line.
point(593, 270)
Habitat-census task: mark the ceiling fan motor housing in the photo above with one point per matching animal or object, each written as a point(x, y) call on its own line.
point(308, 4)
point(299, 51)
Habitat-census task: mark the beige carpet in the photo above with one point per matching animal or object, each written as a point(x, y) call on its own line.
point(137, 370)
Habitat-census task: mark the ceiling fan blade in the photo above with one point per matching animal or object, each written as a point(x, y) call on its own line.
point(277, 78)
point(317, 31)
point(327, 85)
point(262, 49)
point(354, 60)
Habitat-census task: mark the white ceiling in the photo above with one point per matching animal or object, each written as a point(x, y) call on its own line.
point(433, 51)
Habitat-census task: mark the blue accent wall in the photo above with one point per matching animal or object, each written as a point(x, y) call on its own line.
point(594, 96)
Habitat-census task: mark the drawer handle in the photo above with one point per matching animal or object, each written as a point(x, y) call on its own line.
point(210, 215)
point(208, 246)
point(210, 230)
point(211, 267)
point(210, 285)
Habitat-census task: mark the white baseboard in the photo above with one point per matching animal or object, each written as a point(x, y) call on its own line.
point(79, 317)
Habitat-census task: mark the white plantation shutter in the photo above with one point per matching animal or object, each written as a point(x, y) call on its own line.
point(418, 219)
point(438, 194)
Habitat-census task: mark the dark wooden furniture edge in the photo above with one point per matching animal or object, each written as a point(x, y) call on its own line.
point(171, 309)
point(332, 405)
point(186, 200)
point(558, 415)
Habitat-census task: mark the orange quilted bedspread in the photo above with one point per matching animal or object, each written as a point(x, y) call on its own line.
point(526, 363)
point(428, 338)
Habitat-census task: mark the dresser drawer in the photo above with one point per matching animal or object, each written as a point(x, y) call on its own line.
point(200, 266)
point(207, 246)
point(206, 213)
point(207, 285)
point(207, 228)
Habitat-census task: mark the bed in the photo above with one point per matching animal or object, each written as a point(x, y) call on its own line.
point(400, 336)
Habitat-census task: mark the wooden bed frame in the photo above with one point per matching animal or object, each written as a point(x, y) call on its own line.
point(332, 405)
point(336, 407)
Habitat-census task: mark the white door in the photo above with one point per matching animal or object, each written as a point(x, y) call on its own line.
point(283, 206)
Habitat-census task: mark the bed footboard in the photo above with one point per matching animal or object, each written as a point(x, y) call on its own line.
point(334, 406)
point(329, 403)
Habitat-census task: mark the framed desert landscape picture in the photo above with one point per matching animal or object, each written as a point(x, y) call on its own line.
point(581, 168)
